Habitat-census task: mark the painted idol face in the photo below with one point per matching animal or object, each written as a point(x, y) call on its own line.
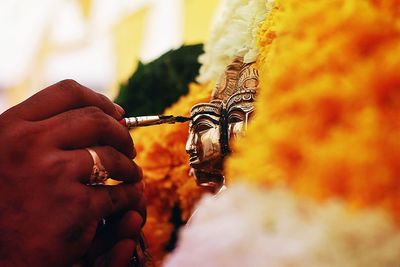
point(240, 106)
point(204, 144)
point(216, 123)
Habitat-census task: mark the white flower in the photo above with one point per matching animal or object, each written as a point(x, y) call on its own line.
point(233, 33)
point(245, 226)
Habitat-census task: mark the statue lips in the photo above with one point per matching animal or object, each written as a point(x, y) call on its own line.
point(191, 151)
point(194, 160)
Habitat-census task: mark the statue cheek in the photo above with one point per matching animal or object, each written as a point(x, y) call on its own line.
point(239, 129)
point(236, 130)
point(210, 144)
point(202, 146)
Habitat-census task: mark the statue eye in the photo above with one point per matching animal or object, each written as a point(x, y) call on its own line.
point(202, 127)
point(236, 117)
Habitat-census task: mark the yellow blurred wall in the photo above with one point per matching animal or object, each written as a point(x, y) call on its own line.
point(127, 35)
point(197, 16)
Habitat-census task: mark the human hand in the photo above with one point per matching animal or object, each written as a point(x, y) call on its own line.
point(48, 215)
point(116, 243)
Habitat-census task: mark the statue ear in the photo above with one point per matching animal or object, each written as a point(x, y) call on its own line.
point(223, 136)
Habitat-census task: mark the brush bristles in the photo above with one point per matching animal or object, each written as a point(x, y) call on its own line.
point(182, 119)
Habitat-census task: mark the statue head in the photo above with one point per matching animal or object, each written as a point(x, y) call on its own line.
point(204, 143)
point(224, 117)
point(240, 105)
point(239, 108)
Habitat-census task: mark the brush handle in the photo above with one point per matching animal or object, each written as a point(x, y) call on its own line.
point(141, 121)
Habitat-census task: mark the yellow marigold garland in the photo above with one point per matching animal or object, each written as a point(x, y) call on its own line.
point(328, 112)
point(266, 33)
point(161, 154)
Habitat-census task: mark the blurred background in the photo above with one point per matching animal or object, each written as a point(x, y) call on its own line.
point(96, 42)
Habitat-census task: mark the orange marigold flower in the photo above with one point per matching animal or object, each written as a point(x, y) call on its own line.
point(327, 122)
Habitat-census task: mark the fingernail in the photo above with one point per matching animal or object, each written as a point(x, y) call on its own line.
point(119, 109)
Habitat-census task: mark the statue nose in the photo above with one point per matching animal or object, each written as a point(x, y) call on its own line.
point(190, 146)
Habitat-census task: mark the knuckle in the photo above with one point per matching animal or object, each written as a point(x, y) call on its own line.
point(72, 88)
point(54, 165)
point(106, 104)
point(114, 156)
point(20, 137)
point(69, 84)
point(105, 100)
point(96, 115)
point(100, 121)
point(93, 110)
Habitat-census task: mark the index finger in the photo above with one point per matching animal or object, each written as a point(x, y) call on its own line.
point(60, 97)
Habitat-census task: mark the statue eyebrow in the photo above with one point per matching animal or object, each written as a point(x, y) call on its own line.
point(203, 116)
point(205, 113)
point(243, 108)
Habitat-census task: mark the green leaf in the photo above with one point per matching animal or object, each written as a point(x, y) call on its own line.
point(158, 84)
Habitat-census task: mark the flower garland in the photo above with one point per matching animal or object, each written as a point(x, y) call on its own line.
point(233, 33)
point(169, 188)
point(280, 230)
point(267, 34)
point(329, 108)
point(326, 127)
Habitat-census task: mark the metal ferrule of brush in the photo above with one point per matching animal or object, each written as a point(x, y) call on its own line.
point(146, 121)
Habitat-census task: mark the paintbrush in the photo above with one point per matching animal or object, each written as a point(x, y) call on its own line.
point(140, 121)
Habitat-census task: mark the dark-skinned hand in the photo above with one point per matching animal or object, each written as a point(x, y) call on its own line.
point(48, 214)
